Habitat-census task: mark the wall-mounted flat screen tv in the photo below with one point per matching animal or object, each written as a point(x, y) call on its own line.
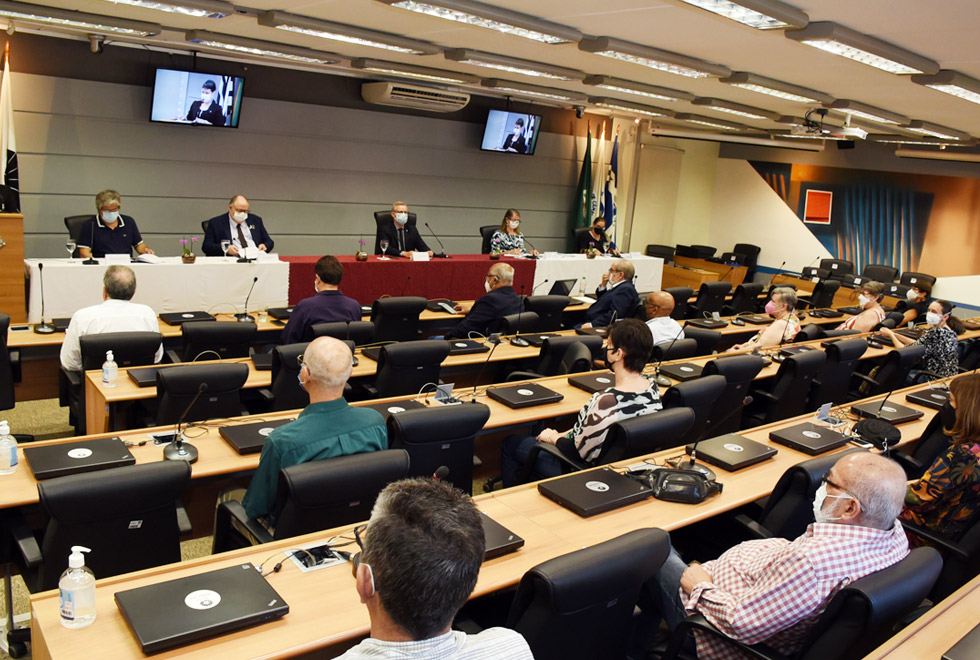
point(511, 132)
point(200, 99)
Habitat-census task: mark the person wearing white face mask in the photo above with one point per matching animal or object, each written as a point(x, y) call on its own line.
point(916, 303)
point(207, 110)
point(509, 239)
point(110, 232)
point(484, 316)
point(768, 590)
point(402, 236)
point(942, 358)
point(239, 227)
point(869, 297)
point(780, 331)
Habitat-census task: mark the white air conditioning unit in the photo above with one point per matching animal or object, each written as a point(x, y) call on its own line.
point(411, 96)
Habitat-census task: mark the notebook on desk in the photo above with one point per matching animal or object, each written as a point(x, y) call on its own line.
point(594, 491)
point(172, 614)
point(598, 332)
point(930, 398)
point(467, 346)
point(179, 318)
point(146, 376)
point(756, 319)
point(732, 452)
point(76, 457)
point(524, 395)
point(250, 438)
point(809, 438)
point(890, 412)
point(499, 539)
point(682, 372)
point(593, 383)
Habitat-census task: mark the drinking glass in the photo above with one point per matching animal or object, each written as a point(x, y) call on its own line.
point(384, 248)
point(225, 244)
point(70, 246)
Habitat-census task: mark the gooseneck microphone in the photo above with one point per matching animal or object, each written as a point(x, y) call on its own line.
point(405, 285)
point(530, 256)
point(482, 368)
point(663, 381)
point(778, 271)
point(178, 450)
point(42, 328)
point(91, 250)
point(692, 464)
point(517, 340)
point(542, 282)
point(243, 316)
point(441, 255)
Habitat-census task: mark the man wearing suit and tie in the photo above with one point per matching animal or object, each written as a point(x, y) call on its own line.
point(616, 295)
point(242, 228)
point(403, 239)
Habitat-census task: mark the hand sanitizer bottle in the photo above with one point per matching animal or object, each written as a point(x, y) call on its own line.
point(110, 370)
point(77, 587)
point(8, 450)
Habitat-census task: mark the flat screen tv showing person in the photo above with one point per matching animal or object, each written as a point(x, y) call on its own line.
point(511, 132)
point(201, 99)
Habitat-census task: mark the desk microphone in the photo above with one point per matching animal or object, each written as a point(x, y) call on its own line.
point(42, 328)
point(663, 381)
point(91, 251)
point(405, 285)
point(530, 256)
point(778, 271)
point(244, 314)
point(535, 287)
point(178, 450)
point(441, 255)
point(809, 265)
point(441, 473)
point(485, 363)
point(517, 340)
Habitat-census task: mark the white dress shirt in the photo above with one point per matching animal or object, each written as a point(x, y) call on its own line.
point(491, 644)
point(233, 227)
point(665, 329)
point(110, 316)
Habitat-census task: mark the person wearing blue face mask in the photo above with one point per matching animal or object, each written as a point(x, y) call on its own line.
point(403, 238)
point(110, 232)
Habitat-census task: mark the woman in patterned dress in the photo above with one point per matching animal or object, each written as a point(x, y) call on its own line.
point(509, 239)
point(942, 356)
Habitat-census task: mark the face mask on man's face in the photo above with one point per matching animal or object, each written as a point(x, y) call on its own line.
point(240, 216)
point(401, 218)
point(818, 500)
point(110, 216)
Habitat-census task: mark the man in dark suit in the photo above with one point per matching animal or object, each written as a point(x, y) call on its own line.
point(615, 294)
point(484, 315)
point(403, 239)
point(241, 228)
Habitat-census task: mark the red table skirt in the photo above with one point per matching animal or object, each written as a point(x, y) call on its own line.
point(459, 277)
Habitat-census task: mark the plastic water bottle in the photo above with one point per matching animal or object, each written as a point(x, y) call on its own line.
point(77, 587)
point(8, 450)
point(110, 370)
point(581, 288)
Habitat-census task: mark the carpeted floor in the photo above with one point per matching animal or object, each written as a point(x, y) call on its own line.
point(44, 419)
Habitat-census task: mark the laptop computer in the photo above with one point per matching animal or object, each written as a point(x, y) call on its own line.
point(593, 383)
point(562, 287)
point(968, 648)
point(262, 361)
point(250, 438)
point(598, 332)
point(732, 452)
point(147, 376)
point(890, 412)
point(853, 311)
point(911, 334)
point(929, 398)
point(178, 318)
point(172, 614)
point(76, 457)
point(709, 324)
point(825, 313)
point(524, 395)
point(467, 346)
point(372, 352)
point(790, 351)
point(499, 539)
point(538, 340)
point(593, 492)
point(395, 407)
point(756, 319)
point(881, 339)
point(281, 313)
point(682, 372)
point(809, 438)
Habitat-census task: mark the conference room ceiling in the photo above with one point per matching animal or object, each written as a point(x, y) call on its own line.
point(945, 32)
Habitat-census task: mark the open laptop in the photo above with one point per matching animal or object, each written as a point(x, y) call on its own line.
point(250, 438)
point(890, 412)
point(538, 340)
point(593, 383)
point(968, 648)
point(76, 457)
point(809, 438)
point(732, 452)
point(467, 346)
point(592, 492)
point(562, 287)
point(499, 539)
point(930, 398)
point(178, 318)
point(281, 313)
point(172, 614)
point(682, 372)
point(395, 407)
point(524, 395)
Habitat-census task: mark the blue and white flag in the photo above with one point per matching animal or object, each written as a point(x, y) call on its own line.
point(608, 207)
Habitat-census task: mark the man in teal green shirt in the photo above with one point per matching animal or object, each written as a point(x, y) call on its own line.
point(326, 428)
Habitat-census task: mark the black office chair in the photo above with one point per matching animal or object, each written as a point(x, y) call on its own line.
point(873, 273)
point(177, 386)
point(360, 332)
point(931, 444)
point(700, 396)
point(961, 556)
point(840, 269)
point(406, 367)
point(679, 349)
point(397, 319)
point(810, 272)
point(859, 618)
point(909, 278)
point(711, 298)
point(580, 605)
point(524, 323)
point(745, 299)
point(215, 340)
point(562, 355)
point(314, 496)
point(548, 309)
point(739, 372)
point(665, 252)
point(892, 372)
point(285, 392)
point(751, 258)
point(705, 251)
point(830, 385)
point(680, 294)
point(440, 437)
point(639, 311)
point(707, 339)
point(384, 217)
point(822, 296)
point(789, 389)
point(579, 231)
point(9, 361)
point(809, 332)
point(896, 290)
point(204, 225)
point(486, 233)
point(74, 224)
point(837, 334)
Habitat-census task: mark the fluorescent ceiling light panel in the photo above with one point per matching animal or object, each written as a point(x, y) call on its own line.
point(738, 109)
point(349, 34)
point(952, 82)
point(931, 142)
point(654, 58)
point(938, 155)
point(483, 15)
point(627, 106)
point(779, 89)
point(512, 64)
point(807, 136)
point(868, 112)
point(400, 70)
point(533, 90)
point(862, 48)
point(196, 8)
point(701, 120)
point(76, 19)
point(260, 48)
point(759, 14)
point(936, 131)
point(638, 89)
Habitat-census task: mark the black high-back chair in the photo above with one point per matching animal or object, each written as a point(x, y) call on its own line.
point(285, 392)
point(384, 217)
point(808, 332)
point(177, 386)
point(645, 434)
point(831, 384)
point(675, 350)
point(700, 396)
point(705, 251)
point(745, 299)
point(810, 272)
point(822, 296)
point(839, 268)
point(789, 389)
point(486, 233)
point(579, 231)
point(873, 273)
point(931, 444)
point(893, 370)
point(711, 298)
point(211, 340)
point(314, 496)
point(523, 322)
point(665, 252)
point(680, 294)
point(437, 438)
point(397, 319)
point(548, 309)
point(360, 332)
point(739, 372)
point(406, 367)
point(204, 226)
point(910, 278)
point(751, 257)
point(74, 224)
point(706, 339)
point(7, 360)
point(580, 605)
point(562, 355)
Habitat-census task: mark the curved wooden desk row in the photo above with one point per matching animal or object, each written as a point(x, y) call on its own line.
point(324, 608)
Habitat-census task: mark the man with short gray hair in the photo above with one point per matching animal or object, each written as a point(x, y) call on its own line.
point(403, 238)
point(484, 316)
point(116, 314)
point(109, 231)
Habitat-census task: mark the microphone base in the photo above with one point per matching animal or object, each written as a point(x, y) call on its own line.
point(244, 317)
point(690, 464)
point(441, 255)
point(663, 381)
point(519, 341)
point(43, 328)
point(185, 452)
point(90, 262)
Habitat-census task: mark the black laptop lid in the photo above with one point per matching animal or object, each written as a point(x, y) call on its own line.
point(594, 491)
point(395, 407)
point(538, 340)
point(465, 346)
point(178, 318)
point(889, 411)
point(809, 438)
point(968, 648)
point(732, 452)
point(250, 438)
point(930, 398)
point(593, 383)
point(281, 313)
point(499, 539)
point(524, 395)
point(682, 372)
point(562, 287)
point(145, 376)
point(76, 457)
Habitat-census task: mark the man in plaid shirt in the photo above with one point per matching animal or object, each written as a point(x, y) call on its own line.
point(773, 590)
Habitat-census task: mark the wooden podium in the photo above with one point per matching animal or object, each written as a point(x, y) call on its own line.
point(12, 267)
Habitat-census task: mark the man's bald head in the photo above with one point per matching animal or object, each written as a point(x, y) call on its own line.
point(878, 483)
point(329, 362)
point(659, 304)
point(504, 274)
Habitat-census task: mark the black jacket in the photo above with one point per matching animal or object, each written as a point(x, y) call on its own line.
point(621, 299)
point(485, 316)
point(412, 239)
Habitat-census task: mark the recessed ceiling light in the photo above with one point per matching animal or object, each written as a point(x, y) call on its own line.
point(863, 48)
point(260, 48)
point(512, 64)
point(654, 58)
point(777, 88)
point(411, 71)
point(349, 34)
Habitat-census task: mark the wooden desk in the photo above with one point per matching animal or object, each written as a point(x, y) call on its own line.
point(726, 272)
point(844, 297)
point(690, 277)
point(11, 267)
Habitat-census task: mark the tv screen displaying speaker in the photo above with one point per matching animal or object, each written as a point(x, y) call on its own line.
point(195, 98)
point(511, 132)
